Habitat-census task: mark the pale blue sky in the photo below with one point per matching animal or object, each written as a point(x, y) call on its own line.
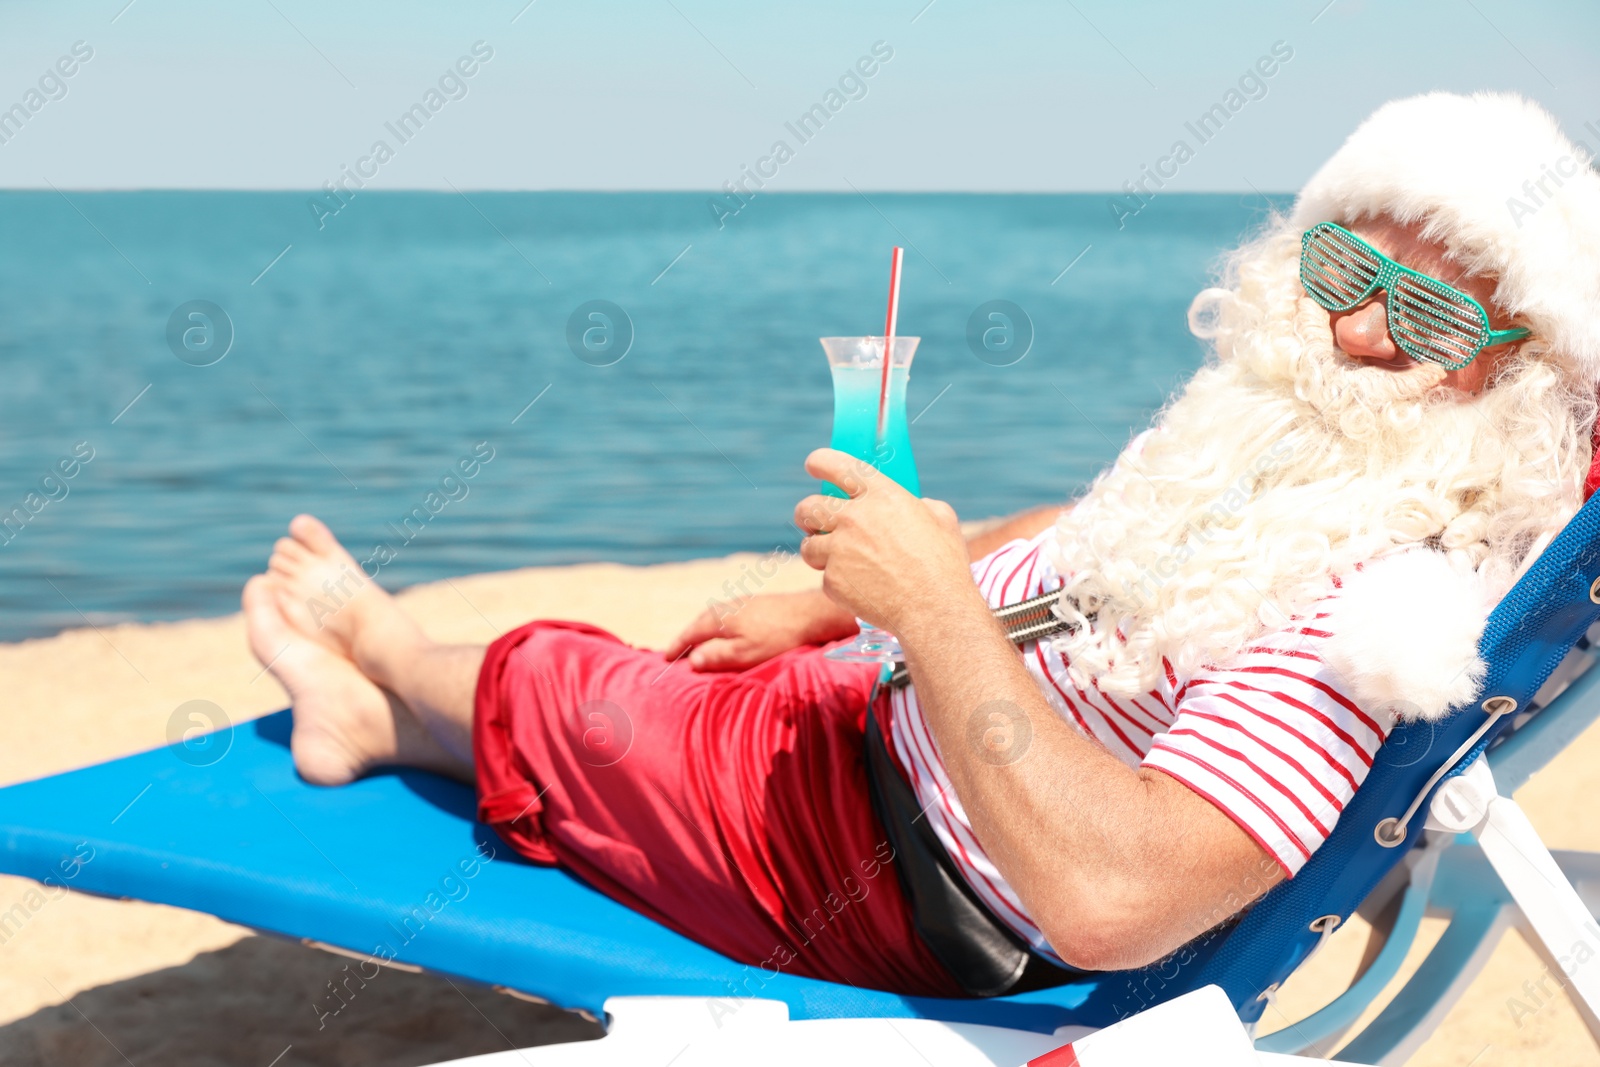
point(681, 94)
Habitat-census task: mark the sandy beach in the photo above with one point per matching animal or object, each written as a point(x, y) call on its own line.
point(90, 981)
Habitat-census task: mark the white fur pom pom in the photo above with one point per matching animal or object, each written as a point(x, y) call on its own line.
point(1405, 634)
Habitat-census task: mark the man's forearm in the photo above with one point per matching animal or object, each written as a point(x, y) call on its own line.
point(1110, 862)
point(1039, 795)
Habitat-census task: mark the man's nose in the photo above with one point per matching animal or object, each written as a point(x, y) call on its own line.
point(1364, 332)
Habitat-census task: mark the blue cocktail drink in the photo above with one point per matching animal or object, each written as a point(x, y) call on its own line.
point(857, 365)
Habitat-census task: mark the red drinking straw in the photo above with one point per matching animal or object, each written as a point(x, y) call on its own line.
point(888, 343)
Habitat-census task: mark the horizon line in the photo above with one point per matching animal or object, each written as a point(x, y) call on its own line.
point(307, 191)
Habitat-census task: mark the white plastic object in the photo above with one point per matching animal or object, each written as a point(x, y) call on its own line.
point(1549, 903)
point(1197, 1029)
point(1463, 801)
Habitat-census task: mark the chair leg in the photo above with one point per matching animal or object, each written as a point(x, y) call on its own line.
point(1382, 921)
point(1564, 929)
point(1558, 968)
point(1422, 1003)
point(1582, 870)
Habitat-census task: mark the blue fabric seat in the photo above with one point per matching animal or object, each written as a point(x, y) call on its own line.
point(393, 865)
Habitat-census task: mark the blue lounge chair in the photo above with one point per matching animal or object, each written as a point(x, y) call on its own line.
point(394, 866)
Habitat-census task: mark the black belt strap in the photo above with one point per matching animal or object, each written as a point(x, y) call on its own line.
point(985, 957)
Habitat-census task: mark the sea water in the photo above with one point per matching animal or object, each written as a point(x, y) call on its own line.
point(855, 423)
point(413, 333)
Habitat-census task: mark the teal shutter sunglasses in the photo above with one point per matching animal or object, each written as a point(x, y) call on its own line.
point(1429, 320)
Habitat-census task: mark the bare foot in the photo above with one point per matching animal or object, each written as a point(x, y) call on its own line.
point(323, 592)
point(344, 724)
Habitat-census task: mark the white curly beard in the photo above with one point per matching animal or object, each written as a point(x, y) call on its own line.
point(1284, 463)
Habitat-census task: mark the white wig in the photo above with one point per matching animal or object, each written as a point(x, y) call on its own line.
point(1284, 463)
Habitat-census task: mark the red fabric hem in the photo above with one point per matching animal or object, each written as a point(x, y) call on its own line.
point(508, 799)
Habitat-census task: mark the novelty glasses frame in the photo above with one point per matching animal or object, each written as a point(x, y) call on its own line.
point(1428, 319)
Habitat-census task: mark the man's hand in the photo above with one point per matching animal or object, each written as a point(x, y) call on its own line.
point(743, 633)
point(885, 555)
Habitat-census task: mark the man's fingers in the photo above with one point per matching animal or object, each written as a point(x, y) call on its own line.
point(814, 550)
point(706, 624)
point(842, 469)
point(817, 513)
point(676, 646)
point(721, 654)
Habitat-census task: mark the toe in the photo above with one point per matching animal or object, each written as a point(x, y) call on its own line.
point(268, 631)
point(314, 618)
point(289, 552)
point(284, 568)
point(256, 589)
point(288, 604)
point(314, 534)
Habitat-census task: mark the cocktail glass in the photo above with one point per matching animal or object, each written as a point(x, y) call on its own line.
point(857, 366)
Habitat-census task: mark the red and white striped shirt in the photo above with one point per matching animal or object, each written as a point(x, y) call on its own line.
point(1270, 738)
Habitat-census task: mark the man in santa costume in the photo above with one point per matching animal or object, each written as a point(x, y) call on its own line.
point(1396, 416)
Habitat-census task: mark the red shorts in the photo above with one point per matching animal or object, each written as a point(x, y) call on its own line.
point(731, 807)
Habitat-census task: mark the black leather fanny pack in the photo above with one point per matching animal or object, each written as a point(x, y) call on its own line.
point(983, 955)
